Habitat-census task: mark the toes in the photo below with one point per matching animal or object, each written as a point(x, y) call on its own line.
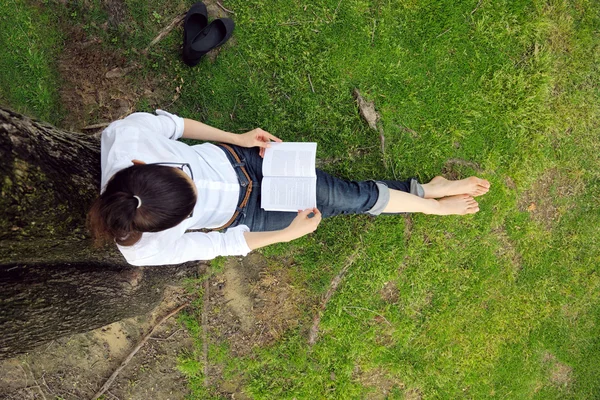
point(472, 210)
point(479, 190)
point(481, 182)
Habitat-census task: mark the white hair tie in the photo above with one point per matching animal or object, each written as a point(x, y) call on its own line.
point(139, 201)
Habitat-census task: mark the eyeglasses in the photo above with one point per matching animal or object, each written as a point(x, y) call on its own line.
point(181, 166)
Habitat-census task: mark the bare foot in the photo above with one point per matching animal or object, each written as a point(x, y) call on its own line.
point(456, 205)
point(442, 187)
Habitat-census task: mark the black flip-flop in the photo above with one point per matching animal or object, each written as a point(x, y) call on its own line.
point(211, 37)
point(195, 21)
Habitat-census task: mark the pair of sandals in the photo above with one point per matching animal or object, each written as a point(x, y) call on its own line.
point(200, 37)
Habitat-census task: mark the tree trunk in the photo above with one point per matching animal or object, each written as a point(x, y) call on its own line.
point(53, 283)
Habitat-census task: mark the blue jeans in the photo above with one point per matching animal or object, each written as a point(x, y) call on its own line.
point(335, 196)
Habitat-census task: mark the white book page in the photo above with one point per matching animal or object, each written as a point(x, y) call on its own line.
point(288, 194)
point(290, 159)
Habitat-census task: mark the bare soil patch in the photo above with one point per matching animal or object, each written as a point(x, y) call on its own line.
point(252, 303)
point(390, 292)
point(90, 93)
point(453, 166)
point(543, 201)
point(75, 367)
point(413, 394)
point(560, 373)
point(378, 380)
point(101, 83)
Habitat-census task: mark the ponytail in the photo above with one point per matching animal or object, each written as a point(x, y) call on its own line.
point(141, 198)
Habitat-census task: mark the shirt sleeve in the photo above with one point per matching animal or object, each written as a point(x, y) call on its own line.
point(163, 124)
point(192, 246)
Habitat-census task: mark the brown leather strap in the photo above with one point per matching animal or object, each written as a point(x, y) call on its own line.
point(248, 188)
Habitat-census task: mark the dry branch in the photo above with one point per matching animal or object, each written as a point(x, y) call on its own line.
point(314, 331)
point(166, 30)
point(110, 380)
point(223, 8)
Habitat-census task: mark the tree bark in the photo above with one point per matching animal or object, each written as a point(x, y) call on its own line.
point(53, 283)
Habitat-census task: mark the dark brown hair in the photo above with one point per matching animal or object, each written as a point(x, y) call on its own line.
point(167, 199)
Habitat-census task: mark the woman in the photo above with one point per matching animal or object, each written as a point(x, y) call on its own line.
point(156, 189)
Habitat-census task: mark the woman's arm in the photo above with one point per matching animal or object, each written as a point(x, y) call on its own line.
point(300, 226)
point(255, 138)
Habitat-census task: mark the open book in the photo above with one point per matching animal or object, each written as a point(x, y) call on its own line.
point(289, 179)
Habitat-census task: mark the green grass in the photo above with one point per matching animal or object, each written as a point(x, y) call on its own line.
point(493, 305)
point(29, 44)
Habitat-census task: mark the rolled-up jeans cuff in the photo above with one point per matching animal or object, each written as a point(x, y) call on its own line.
point(416, 188)
point(384, 195)
point(382, 200)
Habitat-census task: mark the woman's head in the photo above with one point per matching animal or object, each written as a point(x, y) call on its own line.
point(141, 198)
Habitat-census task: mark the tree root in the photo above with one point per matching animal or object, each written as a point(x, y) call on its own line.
point(314, 331)
point(110, 380)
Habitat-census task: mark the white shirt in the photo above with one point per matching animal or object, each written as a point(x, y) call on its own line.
point(153, 139)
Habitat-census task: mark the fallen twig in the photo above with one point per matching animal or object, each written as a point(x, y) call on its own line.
point(373, 33)
point(168, 337)
point(382, 141)
point(224, 9)
point(311, 85)
point(233, 111)
point(112, 395)
point(413, 132)
point(51, 342)
point(166, 30)
point(296, 23)
point(443, 33)
point(45, 384)
point(464, 163)
point(110, 380)
point(366, 309)
point(336, 9)
point(476, 7)
point(34, 381)
point(38, 388)
point(314, 331)
point(95, 126)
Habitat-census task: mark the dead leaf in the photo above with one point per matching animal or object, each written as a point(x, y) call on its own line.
point(367, 110)
point(117, 72)
point(531, 207)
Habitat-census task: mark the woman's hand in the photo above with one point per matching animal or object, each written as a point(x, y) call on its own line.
point(303, 224)
point(300, 226)
point(257, 138)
